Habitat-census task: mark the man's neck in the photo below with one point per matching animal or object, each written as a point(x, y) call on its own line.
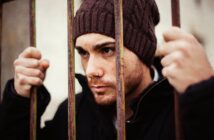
point(147, 80)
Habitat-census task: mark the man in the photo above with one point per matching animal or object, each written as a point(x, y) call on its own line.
point(149, 97)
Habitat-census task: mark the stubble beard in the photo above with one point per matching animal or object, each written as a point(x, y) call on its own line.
point(107, 97)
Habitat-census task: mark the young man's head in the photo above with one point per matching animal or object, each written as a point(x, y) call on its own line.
point(94, 39)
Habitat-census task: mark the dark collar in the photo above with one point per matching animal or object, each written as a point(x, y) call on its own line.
point(156, 91)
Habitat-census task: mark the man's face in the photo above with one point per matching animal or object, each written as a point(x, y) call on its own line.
point(98, 56)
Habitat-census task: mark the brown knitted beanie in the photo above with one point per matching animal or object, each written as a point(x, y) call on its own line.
point(139, 20)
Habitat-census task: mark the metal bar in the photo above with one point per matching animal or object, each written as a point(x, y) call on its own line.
point(1, 10)
point(71, 74)
point(33, 114)
point(33, 105)
point(175, 7)
point(178, 128)
point(118, 12)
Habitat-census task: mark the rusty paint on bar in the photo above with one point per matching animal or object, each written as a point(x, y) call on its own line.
point(175, 5)
point(33, 114)
point(118, 12)
point(178, 128)
point(32, 23)
point(71, 74)
point(33, 104)
point(175, 8)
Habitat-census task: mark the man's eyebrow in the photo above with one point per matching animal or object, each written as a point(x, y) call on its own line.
point(79, 48)
point(98, 46)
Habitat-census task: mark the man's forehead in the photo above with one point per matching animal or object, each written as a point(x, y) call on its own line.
point(93, 39)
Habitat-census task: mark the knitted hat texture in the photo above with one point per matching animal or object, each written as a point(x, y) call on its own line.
point(139, 20)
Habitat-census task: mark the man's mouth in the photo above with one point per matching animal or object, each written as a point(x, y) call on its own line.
point(99, 89)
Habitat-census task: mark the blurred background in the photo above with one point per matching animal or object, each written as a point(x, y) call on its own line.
point(197, 17)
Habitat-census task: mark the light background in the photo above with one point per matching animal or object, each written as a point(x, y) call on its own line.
point(197, 16)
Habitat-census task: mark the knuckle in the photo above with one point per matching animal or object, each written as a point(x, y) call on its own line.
point(29, 50)
point(35, 63)
point(178, 56)
point(16, 62)
point(191, 41)
point(20, 55)
point(27, 88)
point(38, 81)
point(190, 38)
point(183, 46)
point(17, 69)
point(21, 79)
point(185, 49)
point(169, 71)
point(163, 61)
point(164, 72)
point(38, 73)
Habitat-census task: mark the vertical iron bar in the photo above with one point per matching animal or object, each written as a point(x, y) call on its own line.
point(118, 12)
point(71, 74)
point(175, 5)
point(33, 104)
point(0, 45)
point(178, 131)
point(175, 8)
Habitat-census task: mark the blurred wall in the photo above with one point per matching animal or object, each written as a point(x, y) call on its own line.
point(15, 35)
point(197, 16)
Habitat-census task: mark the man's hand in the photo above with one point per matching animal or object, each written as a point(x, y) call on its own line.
point(184, 60)
point(29, 71)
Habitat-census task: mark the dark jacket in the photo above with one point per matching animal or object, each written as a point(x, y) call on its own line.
point(153, 117)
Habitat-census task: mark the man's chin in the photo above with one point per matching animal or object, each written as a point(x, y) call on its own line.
point(105, 100)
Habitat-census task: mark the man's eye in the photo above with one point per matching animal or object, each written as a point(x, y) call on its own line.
point(83, 53)
point(108, 51)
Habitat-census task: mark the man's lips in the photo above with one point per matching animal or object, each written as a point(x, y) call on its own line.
point(99, 89)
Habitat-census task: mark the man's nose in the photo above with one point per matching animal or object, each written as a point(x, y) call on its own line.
point(94, 68)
